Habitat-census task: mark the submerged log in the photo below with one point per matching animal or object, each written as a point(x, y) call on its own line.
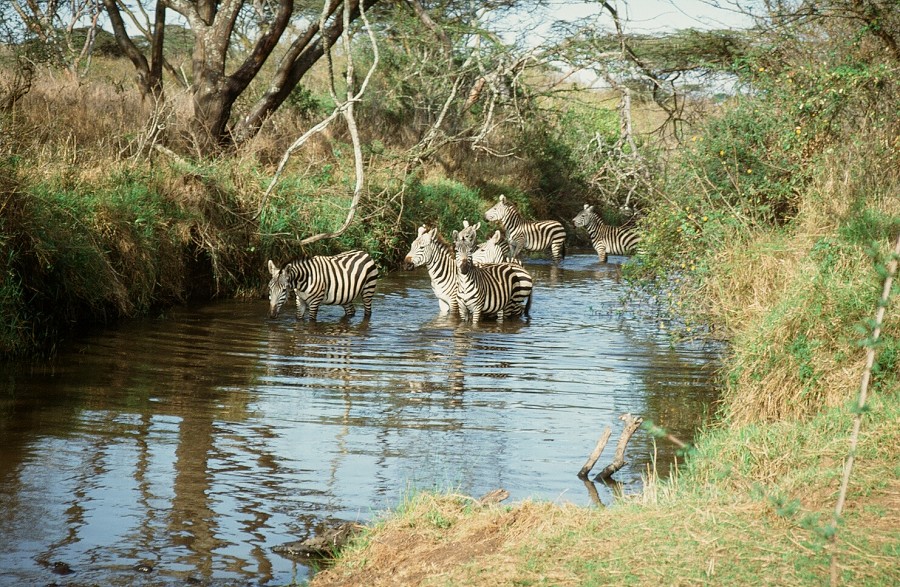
point(324, 545)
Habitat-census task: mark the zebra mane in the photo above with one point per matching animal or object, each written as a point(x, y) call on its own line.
point(440, 241)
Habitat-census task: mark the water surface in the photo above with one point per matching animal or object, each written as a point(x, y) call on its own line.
point(194, 442)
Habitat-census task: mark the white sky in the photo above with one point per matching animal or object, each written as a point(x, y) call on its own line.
point(638, 16)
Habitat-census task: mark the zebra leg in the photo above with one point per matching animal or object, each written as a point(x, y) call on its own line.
point(463, 310)
point(476, 315)
point(349, 310)
point(301, 306)
point(367, 306)
point(601, 252)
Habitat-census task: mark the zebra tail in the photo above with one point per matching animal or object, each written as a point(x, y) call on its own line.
point(527, 312)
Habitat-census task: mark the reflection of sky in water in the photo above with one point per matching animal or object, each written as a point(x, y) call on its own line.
point(198, 442)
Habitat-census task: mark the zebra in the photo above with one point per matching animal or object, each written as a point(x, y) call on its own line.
point(528, 236)
point(606, 239)
point(334, 280)
point(500, 289)
point(494, 250)
point(429, 249)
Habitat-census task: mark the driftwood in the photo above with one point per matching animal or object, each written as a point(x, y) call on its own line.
point(324, 545)
point(601, 444)
point(631, 426)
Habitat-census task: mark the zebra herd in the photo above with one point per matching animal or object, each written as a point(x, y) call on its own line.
point(479, 280)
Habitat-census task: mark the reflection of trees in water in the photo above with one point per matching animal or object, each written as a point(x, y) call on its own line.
point(189, 373)
point(679, 393)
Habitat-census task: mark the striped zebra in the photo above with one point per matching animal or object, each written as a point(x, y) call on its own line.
point(335, 280)
point(528, 236)
point(494, 250)
point(502, 289)
point(429, 249)
point(606, 239)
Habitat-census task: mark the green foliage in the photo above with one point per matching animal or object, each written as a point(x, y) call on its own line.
point(303, 102)
point(443, 204)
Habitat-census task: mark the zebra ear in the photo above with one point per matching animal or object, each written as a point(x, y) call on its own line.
point(422, 230)
point(466, 224)
point(497, 236)
point(586, 206)
point(477, 226)
point(272, 268)
point(589, 208)
point(502, 198)
point(453, 234)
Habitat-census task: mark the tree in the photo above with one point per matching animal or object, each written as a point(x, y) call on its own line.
point(57, 29)
point(214, 88)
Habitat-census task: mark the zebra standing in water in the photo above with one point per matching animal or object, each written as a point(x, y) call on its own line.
point(606, 239)
point(500, 289)
point(528, 236)
point(430, 250)
point(335, 280)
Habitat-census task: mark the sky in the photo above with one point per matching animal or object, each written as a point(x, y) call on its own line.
point(639, 16)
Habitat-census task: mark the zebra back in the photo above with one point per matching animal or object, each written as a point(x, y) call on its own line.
point(606, 240)
point(528, 236)
point(330, 280)
point(430, 250)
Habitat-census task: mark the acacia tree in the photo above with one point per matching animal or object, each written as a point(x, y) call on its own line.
point(214, 87)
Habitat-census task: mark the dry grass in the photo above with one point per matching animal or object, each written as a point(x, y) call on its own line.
point(751, 510)
point(791, 301)
point(743, 543)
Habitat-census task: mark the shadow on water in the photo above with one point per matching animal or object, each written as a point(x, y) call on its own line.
point(193, 444)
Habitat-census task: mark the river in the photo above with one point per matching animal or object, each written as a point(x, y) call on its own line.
point(181, 448)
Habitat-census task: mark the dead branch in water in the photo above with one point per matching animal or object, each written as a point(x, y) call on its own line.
point(631, 426)
point(601, 444)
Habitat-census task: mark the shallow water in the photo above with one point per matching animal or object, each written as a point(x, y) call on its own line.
point(196, 441)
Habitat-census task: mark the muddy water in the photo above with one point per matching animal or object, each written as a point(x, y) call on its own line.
point(180, 449)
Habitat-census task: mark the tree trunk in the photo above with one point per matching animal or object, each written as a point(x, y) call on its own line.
point(301, 56)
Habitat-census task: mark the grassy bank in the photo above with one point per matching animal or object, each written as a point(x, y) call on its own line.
point(87, 247)
point(758, 517)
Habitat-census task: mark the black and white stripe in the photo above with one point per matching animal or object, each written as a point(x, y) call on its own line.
point(430, 250)
point(528, 236)
point(502, 289)
point(334, 280)
point(607, 240)
point(494, 250)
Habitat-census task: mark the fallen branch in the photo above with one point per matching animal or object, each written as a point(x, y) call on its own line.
point(601, 444)
point(631, 426)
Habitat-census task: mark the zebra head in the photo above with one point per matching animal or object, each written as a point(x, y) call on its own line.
point(279, 289)
point(493, 250)
point(469, 234)
point(499, 211)
point(586, 217)
point(421, 249)
point(464, 243)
